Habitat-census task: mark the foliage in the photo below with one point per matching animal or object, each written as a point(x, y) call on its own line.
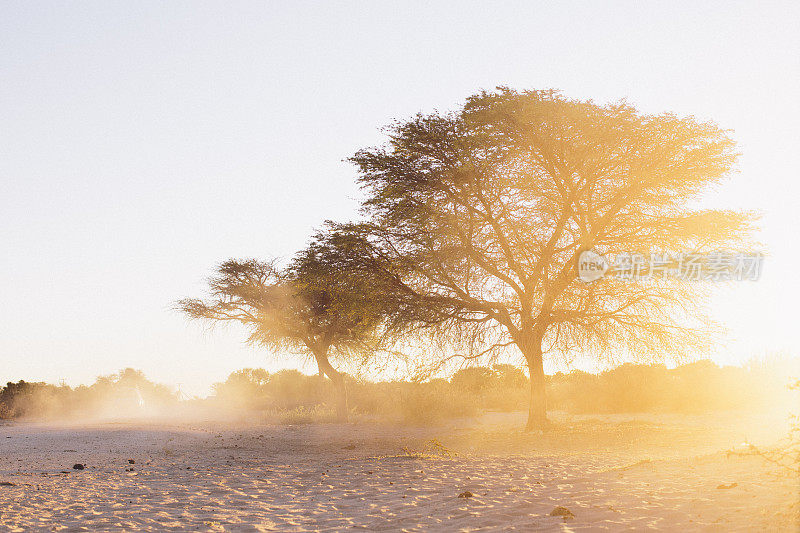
point(291, 397)
point(479, 216)
point(23, 399)
point(298, 308)
point(127, 393)
point(312, 306)
point(693, 388)
point(306, 415)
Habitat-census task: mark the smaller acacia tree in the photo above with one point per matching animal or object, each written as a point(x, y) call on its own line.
point(308, 306)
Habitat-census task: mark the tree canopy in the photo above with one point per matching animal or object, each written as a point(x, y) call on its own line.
point(479, 217)
point(310, 306)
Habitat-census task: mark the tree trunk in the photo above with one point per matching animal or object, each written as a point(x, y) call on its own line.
point(341, 398)
point(537, 409)
point(338, 383)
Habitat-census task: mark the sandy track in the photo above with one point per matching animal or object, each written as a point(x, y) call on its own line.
point(304, 478)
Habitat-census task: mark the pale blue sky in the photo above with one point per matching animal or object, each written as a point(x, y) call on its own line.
point(143, 142)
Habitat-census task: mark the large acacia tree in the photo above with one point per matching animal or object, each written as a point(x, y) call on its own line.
point(309, 306)
point(480, 215)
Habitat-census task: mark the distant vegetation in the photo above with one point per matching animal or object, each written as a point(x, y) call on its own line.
point(697, 387)
point(288, 396)
point(125, 394)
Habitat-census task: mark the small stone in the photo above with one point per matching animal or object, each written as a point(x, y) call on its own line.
point(562, 511)
point(465, 494)
point(78, 466)
point(131, 462)
point(7, 484)
point(349, 447)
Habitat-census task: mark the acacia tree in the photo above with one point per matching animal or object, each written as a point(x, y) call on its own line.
point(307, 306)
point(480, 216)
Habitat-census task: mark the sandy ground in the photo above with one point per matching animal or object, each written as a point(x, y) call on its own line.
point(612, 473)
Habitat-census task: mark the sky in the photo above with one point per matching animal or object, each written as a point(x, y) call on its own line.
point(142, 143)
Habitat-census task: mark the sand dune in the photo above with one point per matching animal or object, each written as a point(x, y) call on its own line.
point(218, 477)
